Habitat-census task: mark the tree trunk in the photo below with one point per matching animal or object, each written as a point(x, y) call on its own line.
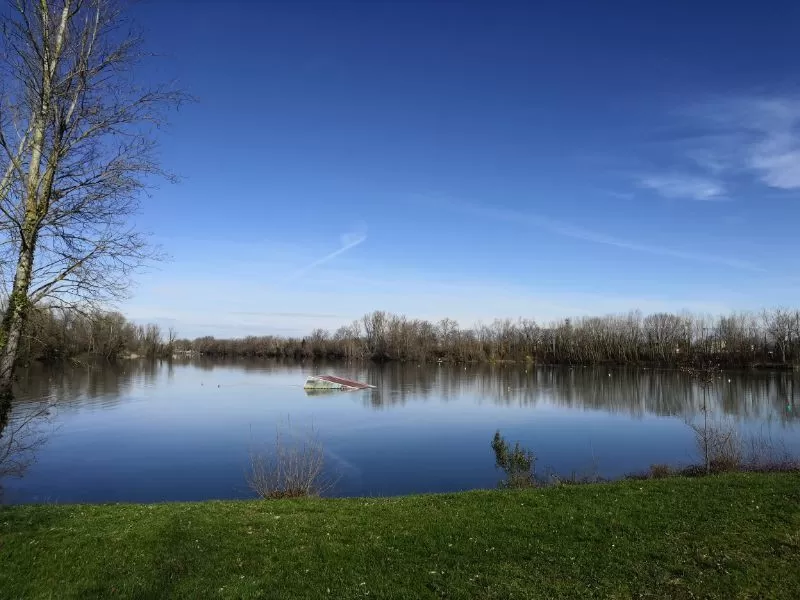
point(12, 328)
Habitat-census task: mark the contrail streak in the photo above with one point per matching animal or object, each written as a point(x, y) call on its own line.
point(329, 257)
point(578, 233)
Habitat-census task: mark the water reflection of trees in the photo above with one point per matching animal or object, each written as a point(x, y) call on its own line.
point(25, 432)
point(45, 390)
point(83, 385)
point(260, 365)
point(752, 395)
point(746, 395)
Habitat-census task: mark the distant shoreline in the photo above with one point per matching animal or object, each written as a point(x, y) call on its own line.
point(507, 362)
point(766, 340)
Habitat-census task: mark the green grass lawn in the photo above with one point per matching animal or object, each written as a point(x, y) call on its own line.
point(726, 536)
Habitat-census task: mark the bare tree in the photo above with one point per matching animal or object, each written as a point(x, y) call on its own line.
point(172, 335)
point(781, 326)
point(292, 469)
point(77, 148)
point(710, 439)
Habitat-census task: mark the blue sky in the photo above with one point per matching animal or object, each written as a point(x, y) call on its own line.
point(471, 160)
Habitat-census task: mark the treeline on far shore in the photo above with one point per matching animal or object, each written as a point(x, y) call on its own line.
point(53, 334)
point(767, 338)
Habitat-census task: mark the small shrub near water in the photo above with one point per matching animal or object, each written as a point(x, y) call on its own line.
point(725, 450)
point(518, 463)
point(729, 452)
point(576, 479)
point(660, 471)
point(721, 446)
point(293, 469)
point(762, 454)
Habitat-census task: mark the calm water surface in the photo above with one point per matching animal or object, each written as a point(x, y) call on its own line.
point(147, 432)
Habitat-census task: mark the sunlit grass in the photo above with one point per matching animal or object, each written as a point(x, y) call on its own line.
point(726, 536)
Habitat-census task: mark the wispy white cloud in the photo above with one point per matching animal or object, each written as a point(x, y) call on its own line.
point(778, 161)
point(714, 161)
point(769, 129)
point(759, 135)
point(675, 185)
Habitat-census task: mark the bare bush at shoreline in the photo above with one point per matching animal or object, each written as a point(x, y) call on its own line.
point(292, 468)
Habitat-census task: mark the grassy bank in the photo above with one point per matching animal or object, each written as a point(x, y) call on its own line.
point(727, 536)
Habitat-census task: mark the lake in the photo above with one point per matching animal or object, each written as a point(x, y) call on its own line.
point(158, 431)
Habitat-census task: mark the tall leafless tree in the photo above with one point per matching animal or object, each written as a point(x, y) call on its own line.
point(76, 152)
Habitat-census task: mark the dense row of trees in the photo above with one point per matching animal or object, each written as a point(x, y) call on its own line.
point(55, 334)
point(742, 339)
point(768, 338)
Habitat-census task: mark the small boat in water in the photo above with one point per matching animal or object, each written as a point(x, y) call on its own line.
point(330, 382)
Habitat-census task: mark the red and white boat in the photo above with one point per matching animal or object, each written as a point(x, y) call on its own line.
point(331, 382)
